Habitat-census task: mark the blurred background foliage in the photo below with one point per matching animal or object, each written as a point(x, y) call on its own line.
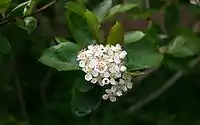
point(34, 94)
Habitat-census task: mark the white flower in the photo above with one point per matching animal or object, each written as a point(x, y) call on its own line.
point(123, 54)
point(112, 81)
point(105, 96)
point(106, 74)
point(81, 64)
point(101, 66)
point(94, 80)
point(117, 59)
point(129, 85)
point(88, 77)
point(123, 68)
point(119, 93)
point(105, 81)
point(95, 73)
point(92, 63)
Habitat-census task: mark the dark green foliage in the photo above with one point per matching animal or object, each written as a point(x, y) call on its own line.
point(41, 82)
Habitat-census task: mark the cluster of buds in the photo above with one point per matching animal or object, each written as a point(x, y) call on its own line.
point(104, 65)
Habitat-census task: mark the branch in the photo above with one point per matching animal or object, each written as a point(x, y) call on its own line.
point(163, 89)
point(21, 100)
point(31, 14)
point(43, 86)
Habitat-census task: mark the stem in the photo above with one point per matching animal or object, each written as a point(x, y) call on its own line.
point(163, 89)
point(44, 84)
point(21, 100)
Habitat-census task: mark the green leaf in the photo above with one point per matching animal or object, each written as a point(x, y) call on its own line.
point(134, 36)
point(183, 46)
point(171, 18)
point(116, 34)
point(120, 8)
point(142, 55)
point(82, 84)
point(102, 10)
point(94, 25)
point(84, 103)
point(79, 29)
point(4, 4)
point(22, 5)
point(61, 40)
point(61, 56)
point(5, 46)
point(76, 8)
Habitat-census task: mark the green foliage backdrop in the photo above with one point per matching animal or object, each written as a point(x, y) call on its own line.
point(41, 82)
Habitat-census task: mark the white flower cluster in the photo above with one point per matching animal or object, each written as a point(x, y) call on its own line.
point(104, 65)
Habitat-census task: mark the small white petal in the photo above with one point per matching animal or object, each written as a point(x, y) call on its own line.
point(118, 74)
point(101, 83)
point(113, 89)
point(123, 68)
point(121, 81)
point(119, 93)
point(106, 74)
point(129, 85)
point(112, 70)
point(81, 63)
point(117, 59)
point(94, 80)
point(112, 98)
point(105, 96)
point(117, 68)
point(112, 81)
point(92, 63)
point(118, 47)
point(123, 54)
point(88, 77)
point(95, 73)
point(108, 91)
point(124, 88)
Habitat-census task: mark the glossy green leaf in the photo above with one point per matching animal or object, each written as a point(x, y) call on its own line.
point(133, 36)
point(5, 46)
point(171, 18)
point(102, 10)
point(94, 25)
point(4, 4)
point(61, 56)
point(79, 29)
point(183, 46)
point(116, 34)
point(84, 103)
point(61, 40)
point(120, 8)
point(76, 8)
point(81, 84)
point(142, 55)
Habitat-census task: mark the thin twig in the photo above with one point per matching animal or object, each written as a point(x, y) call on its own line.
point(21, 100)
point(163, 89)
point(46, 6)
point(24, 16)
